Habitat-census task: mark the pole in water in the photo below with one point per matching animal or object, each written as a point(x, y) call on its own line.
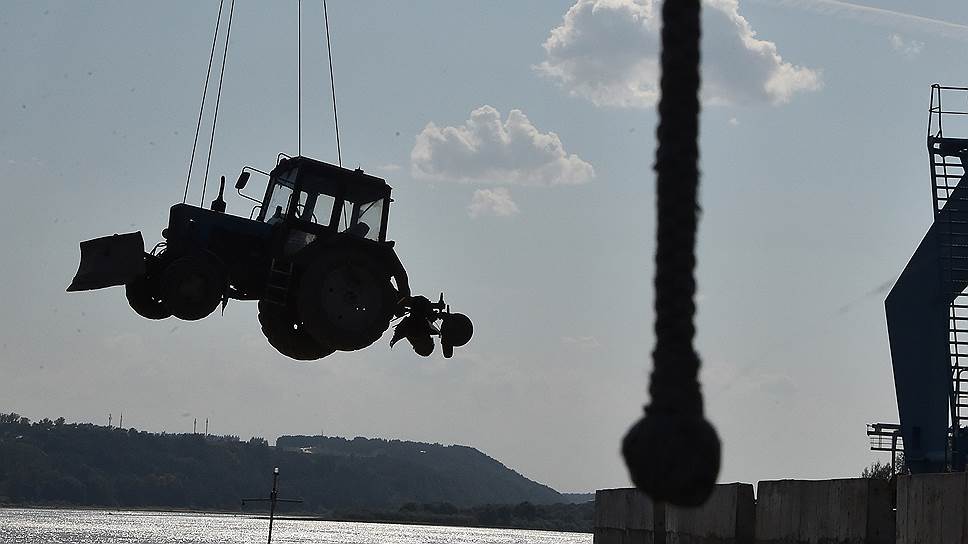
point(272, 500)
point(273, 497)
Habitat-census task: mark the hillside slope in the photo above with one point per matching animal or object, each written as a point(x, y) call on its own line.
point(84, 464)
point(460, 475)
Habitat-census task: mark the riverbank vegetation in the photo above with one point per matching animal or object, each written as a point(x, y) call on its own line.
point(53, 462)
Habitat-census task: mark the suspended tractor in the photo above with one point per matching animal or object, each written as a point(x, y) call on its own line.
point(313, 252)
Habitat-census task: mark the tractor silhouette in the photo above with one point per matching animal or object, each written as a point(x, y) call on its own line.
point(313, 252)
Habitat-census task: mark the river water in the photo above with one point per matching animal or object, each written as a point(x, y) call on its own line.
point(67, 526)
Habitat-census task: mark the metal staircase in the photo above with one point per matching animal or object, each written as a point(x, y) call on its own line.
point(949, 157)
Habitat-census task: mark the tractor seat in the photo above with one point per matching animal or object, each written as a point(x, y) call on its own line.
point(360, 230)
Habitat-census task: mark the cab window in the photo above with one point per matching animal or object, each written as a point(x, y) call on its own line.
point(279, 201)
point(281, 195)
point(371, 214)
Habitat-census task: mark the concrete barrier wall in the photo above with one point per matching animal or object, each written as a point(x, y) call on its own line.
point(932, 508)
point(850, 511)
point(726, 518)
point(626, 516)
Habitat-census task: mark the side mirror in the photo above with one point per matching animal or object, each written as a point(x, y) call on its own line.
point(243, 179)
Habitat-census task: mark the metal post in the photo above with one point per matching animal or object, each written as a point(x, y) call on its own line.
point(893, 453)
point(272, 499)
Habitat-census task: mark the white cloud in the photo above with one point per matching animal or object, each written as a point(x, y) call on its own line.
point(581, 342)
point(487, 149)
point(496, 202)
point(907, 48)
point(607, 52)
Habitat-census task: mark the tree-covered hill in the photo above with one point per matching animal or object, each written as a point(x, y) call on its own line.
point(459, 475)
point(84, 464)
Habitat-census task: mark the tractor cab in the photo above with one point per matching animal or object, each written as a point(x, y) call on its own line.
point(321, 199)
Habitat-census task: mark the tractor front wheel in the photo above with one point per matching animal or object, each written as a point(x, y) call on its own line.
point(145, 299)
point(192, 286)
point(287, 335)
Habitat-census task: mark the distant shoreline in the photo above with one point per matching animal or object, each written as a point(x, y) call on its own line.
point(55, 464)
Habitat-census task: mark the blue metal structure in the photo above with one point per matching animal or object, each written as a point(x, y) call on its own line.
point(927, 309)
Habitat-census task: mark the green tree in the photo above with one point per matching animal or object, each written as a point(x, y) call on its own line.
point(883, 471)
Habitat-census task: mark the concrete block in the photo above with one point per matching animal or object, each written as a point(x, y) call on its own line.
point(626, 516)
point(848, 511)
point(604, 535)
point(611, 508)
point(642, 512)
point(726, 518)
point(932, 508)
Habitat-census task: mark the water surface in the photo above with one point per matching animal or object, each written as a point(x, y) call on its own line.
point(68, 526)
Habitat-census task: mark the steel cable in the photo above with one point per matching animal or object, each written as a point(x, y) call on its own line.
point(218, 99)
point(299, 78)
point(332, 84)
point(201, 109)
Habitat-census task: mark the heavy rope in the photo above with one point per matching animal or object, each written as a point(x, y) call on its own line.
point(218, 99)
point(208, 75)
point(673, 453)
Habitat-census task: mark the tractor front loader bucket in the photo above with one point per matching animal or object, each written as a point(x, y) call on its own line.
point(110, 260)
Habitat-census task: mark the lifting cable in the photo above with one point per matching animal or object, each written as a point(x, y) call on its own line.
point(673, 453)
point(208, 75)
point(299, 77)
point(332, 84)
point(218, 98)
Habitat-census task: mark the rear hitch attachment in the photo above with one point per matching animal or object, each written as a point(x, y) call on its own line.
point(420, 324)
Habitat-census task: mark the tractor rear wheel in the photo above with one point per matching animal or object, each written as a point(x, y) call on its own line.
point(192, 286)
point(287, 335)
point(145, 299)
point(345, 298)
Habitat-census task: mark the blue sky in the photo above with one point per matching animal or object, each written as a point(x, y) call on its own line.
point(518, 137)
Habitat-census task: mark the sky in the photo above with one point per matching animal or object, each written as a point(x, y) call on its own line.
point(518, 139)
